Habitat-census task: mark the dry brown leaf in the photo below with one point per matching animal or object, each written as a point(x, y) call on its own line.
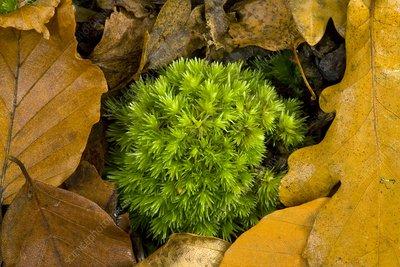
point(359, 225)
point(49, 99)
point(311, 17)
point(268, 24)
point(86, 182)
point(188, 250)
point(96, 147)
point(217, 21)
point(118, 53)
point(48, 226)
point(137, 7)
point(277, 240)
point(171, 37)
point(31, 17)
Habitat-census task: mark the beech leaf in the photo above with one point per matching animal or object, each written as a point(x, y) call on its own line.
point(359, 225)
point(277, 240)
point(188, 250)
point(49, 99)
point(268, 24)
point(86, 182)
point(31, 17)
point(119, 50)
point(48, 226)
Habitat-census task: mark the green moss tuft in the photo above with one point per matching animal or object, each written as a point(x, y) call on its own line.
point(188, 145)
point(7, 6)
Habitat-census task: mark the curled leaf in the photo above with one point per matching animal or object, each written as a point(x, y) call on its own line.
point(118, 53)
point(268, 24)
point(31, 17)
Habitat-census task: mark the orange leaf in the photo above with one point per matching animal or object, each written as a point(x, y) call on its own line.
point(49, 96)
point(277, 240)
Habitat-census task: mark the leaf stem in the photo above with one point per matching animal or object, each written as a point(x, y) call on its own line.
point(22, 167)
point(297, 60)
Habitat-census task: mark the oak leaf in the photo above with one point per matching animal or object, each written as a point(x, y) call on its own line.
point(48, 226)
point(188, 250)
point(268, 24)
point(49, 97)
point(277, 240)
point(311, 17)
point(359, 225)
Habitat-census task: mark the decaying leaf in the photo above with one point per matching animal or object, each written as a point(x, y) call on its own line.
point(268, 24)
point(312, 16)
point(277, 240)
point(96, 147)
point(118, 53)
point(49, 98)
point(86, 182)
point(30, 17)
point(171, 37)
point(48, 226)
point(359, 225)
point(217, 20)
point(188, 250)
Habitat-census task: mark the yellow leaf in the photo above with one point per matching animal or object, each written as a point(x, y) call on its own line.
point(49, 97)
point(359, 225)
point(268, 24)
point(31, 17)
point(312, 16)
point(277, 240)
point(188, 250)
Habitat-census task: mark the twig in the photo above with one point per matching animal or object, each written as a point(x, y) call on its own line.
point(297, 60)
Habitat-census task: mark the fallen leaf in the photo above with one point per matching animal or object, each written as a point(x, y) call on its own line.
point(188, 250)
point(277, 240)
point(136, 7)
point(311, 17)
point(49, 98)
point(86, 182)
point(268, 24)
point(359, 225)
point(118, 53)
point(96, 147)
point(217, 21)
point(30, 17)
point(48, 226)
point(171, 37)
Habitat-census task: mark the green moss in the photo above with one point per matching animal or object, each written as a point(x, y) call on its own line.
point(281, 70)
point(7, 6)
point(188, 148)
